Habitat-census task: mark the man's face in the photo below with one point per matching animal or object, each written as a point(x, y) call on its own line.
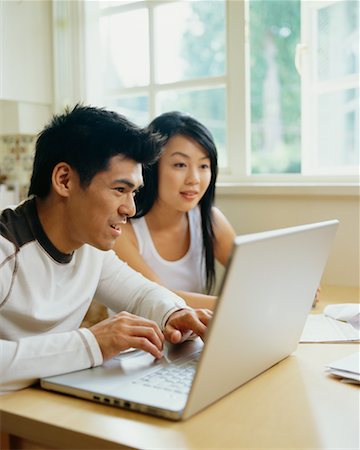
point(95, 214)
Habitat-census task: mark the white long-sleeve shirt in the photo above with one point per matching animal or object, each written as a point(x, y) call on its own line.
point(44, 295)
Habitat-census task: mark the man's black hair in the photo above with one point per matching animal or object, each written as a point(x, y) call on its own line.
point(86, 138)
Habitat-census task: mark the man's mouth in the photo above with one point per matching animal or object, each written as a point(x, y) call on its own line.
point(117, 225)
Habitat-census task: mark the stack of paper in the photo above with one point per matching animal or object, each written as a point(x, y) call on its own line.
point(320, 328)
point(347, 368)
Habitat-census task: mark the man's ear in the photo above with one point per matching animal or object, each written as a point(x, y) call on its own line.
point(62, 178)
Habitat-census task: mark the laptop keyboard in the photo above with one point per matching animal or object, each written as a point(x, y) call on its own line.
point(176, 377)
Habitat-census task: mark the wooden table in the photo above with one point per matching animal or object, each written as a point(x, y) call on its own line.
point(295, 404)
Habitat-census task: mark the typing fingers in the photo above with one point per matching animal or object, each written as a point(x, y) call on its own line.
point(183, 323)
point(125, 330)
point(146, 338)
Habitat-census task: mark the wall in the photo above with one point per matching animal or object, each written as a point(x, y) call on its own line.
point(251, 212)
point(26, 51)
point(26, 89)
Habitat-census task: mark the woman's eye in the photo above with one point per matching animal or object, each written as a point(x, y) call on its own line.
point(180, 165)
point(205, 166)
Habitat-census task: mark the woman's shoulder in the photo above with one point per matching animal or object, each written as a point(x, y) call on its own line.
point(224, 236)
point(219, 217)
point(215, 212)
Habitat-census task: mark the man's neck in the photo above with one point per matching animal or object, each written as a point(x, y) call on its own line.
point(51, 216)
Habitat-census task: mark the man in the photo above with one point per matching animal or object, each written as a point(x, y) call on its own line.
point(56, 255)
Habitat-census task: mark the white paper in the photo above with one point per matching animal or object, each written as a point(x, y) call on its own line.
point(350, 363)
point(347, 375)
point(320, 328)
point(347, 368)
point(342, 311)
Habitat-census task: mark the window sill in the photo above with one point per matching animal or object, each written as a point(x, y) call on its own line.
point(289, 189)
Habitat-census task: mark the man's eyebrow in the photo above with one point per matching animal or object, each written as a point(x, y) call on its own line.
point(127, 182)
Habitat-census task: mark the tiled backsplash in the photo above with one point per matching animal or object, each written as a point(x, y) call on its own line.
point(16, 158)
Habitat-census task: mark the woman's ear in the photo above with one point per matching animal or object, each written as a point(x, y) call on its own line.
point(61, 179)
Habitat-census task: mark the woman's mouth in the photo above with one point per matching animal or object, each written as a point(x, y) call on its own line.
point(189, 195)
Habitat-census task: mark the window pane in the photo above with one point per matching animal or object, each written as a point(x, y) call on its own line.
point(339, 129)
point(338, 45)
point(135, 109)
point(207, 106)
point(189, 40)
point(125, 49)
point(110, 3)
point(275, 86)
point(332, 99)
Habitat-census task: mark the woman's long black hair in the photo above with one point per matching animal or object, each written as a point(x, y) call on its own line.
point(176, 123)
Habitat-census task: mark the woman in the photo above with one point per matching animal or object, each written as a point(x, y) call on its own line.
point(177, 233)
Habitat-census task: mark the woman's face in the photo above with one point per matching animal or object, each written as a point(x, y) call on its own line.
point(184, 173)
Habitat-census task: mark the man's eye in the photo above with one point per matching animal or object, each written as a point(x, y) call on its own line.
point(120, 189)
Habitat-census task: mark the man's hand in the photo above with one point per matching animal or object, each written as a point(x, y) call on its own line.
point(181, 324)
point(125, 330)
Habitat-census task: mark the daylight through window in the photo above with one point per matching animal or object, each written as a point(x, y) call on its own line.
point(277, 82)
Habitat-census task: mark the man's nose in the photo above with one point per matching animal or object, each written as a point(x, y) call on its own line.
point(128, 205)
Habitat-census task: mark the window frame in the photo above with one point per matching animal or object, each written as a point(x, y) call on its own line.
point(74, 42)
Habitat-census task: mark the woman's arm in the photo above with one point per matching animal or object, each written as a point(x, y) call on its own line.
point(224, 236)
point(224, 239)
point(196, 300)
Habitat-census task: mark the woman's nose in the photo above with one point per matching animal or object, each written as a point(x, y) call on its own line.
point(193, 176)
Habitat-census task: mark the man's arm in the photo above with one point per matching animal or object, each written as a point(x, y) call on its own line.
point(153, 313)
point(24, 361)
point(124, 330)
point(121, 288)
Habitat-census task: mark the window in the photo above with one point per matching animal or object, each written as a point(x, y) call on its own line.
point(276, 81)
point(330, 70)
point(275, 87)
point(161, 56)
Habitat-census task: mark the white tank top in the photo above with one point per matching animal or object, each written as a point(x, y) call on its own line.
point(185, 274)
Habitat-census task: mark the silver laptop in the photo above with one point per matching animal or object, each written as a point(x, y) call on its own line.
point(266, 294)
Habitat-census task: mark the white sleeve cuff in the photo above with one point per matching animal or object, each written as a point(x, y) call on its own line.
point(92, 347)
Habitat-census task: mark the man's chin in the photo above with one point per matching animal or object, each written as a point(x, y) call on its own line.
point(104, 246)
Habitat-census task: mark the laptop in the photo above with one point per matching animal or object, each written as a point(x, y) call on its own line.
point(265, 297)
